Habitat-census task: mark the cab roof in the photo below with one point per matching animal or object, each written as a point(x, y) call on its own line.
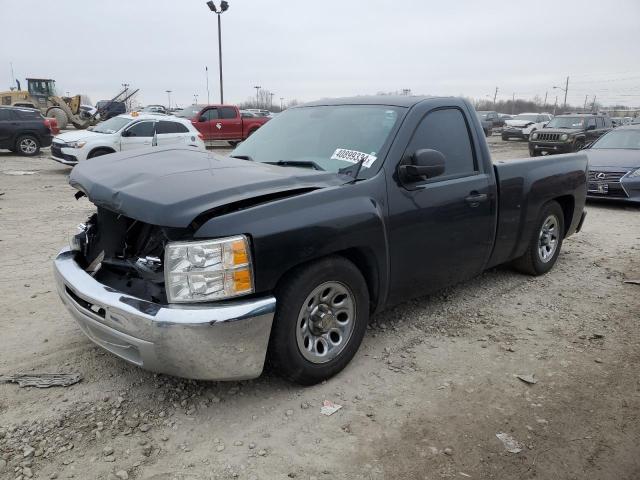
point(390, 100)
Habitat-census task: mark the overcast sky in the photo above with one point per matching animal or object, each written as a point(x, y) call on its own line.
point(308, 50)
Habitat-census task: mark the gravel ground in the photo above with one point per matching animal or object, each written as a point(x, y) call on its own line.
point(433, 384)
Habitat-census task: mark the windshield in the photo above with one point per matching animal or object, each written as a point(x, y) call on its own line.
point(112, 125)
point(529, 118)
point(189, 112)
point(619, 139)
point(566, 122)
point(333, 138)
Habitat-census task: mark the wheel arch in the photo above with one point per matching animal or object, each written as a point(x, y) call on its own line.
point(568, 205)
point(95, 149)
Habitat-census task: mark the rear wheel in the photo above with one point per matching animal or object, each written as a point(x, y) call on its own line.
point(321, 317)
point(545, 243)
point(28, 145)
point(60, 116)
point(504, 137)
point(233, 143)
point(578, 145)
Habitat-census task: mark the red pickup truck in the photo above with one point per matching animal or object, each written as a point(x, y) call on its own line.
point(222, 122)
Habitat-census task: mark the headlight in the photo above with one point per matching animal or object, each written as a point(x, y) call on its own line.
point(634, 174)
point(534, 136)
point(76, 144)
point(564, 137)
point(207, 270)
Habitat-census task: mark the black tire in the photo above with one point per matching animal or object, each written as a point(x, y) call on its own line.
point(61, 117)
point(292, 295)
point(532, 262)
point(27, 145)
point(578, 145)
point(233, 143)
point(99, 152)
point(533, 153)
point(505, 138)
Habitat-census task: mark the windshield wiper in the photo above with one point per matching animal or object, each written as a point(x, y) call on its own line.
point(297, 163)
point(243, 157)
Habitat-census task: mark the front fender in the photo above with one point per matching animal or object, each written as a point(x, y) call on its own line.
point(292, 231)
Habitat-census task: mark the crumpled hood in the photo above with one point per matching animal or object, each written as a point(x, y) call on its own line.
point(613, 157)
point(75, 135)
point(170, 187)
point(518, 123)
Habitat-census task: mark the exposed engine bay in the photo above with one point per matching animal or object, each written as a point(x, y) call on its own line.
point(125, 254)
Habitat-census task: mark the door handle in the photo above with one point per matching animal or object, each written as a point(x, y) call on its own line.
point(475, 199)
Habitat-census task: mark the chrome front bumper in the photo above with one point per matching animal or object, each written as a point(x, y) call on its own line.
point(221, 341)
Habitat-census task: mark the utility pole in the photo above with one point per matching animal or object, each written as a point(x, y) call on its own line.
point(593, 105)
point(169, 95)
point(544, 107)
point(271, 100)
point(495, 96)
point(513, 103)
point(566, 89)
point(206, 69)
point(224, 6)
point(555, 106)
point(585, 103)
point(281, 103)
point(257, 87)
point(195, 98)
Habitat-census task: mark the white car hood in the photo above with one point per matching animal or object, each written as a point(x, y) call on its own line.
point(76, 135)
point(518, 123)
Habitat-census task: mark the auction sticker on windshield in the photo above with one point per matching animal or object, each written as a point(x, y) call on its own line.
point(353, 156)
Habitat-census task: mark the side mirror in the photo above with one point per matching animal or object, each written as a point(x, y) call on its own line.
point(425, 163)
point(202, 119)
point(126, 133)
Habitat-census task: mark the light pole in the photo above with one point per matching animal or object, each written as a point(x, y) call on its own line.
point(224, 6)
point(271, 100)
point(257, 87)
point(281, 103)
point(565, 90)
point(169, 95)
point(195, 98)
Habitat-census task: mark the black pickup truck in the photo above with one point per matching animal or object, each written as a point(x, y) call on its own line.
point(202, 266)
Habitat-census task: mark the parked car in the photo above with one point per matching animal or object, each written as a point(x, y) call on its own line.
point(568, 133)
point(619, 121)
point(247, 114)
point(614, 165)
point(487, 126)
point(197, 265)
point(25, 130)
point(222, 122)
point(154, 109)
point(497, 121)
point(108, 109)
point(124, 132)
point(523, 124)
point(259, 112)
point(635, 121)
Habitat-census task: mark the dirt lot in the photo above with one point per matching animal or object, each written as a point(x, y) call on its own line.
point(432, 385)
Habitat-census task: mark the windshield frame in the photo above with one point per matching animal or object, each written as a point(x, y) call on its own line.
point(583, 122)
point(111, 132)
point(363, 173)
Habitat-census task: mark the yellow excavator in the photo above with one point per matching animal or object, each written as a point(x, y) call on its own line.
point(41, 94)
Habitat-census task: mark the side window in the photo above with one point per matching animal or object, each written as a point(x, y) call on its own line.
point(164, 127)
point(141, 129)
point(180, 128)
point(227, 112)
point(5, 115)
point(591, 122)
point(599, 122)
point(211, 114)
point(446, 130)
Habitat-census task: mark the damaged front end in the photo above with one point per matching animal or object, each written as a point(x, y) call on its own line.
point(125, 254)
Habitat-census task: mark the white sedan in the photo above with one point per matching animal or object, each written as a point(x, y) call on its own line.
point(125, 132)
point(524, 124)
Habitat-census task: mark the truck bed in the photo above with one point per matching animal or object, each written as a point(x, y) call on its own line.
point(524, 185)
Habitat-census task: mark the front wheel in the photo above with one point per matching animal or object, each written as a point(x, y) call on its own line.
point(578, 145)
point(545, 242)
point(321, 317)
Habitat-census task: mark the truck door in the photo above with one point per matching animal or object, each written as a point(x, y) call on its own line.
point(231, 123)
point(138, 135)
point(441, 229)
point(8, 124)
point(209, 124)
